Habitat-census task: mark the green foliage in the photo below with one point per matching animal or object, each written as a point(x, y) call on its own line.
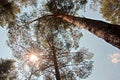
point(8, 11)
point(23, 43)
point(65, 6)
point(110, 10)
point(7, 69)
point(48, 36)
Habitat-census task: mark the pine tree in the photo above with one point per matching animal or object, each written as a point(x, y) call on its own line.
point(7, 69)
point(109, 32)
point(49, 31)
point(51, 40)
point(111, 10)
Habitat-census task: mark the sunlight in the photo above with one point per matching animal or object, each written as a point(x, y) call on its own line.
point(33, 58)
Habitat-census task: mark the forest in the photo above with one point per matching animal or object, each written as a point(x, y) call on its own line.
point(44, 37)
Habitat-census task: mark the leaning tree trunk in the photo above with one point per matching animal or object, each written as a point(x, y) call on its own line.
point(109, 32)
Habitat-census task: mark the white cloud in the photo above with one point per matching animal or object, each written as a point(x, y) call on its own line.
point(115, 58)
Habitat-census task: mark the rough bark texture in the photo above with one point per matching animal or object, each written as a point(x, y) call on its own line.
point(109, 32)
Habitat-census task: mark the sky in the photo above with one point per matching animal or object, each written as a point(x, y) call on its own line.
point(106, 57)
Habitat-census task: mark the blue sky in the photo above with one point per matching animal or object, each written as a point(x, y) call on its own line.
point(5, 51)
point(106, 57)
point(106, 66)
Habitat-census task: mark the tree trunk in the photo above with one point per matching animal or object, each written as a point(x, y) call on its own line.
point(109, 32)
point(57, 73)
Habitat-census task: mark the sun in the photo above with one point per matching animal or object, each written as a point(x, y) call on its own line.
point(33, 58)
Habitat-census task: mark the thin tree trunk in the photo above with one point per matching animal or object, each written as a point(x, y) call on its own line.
point(29, 78)
point(109, 32)
point(57, 73)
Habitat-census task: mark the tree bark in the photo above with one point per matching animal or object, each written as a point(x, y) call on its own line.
point(109, 32)
point(57, 73)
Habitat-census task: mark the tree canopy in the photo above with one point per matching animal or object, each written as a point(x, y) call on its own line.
point(110, 10)
point(7, 69)
point(8, 11)
point(34, 27)
point(51, 39)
